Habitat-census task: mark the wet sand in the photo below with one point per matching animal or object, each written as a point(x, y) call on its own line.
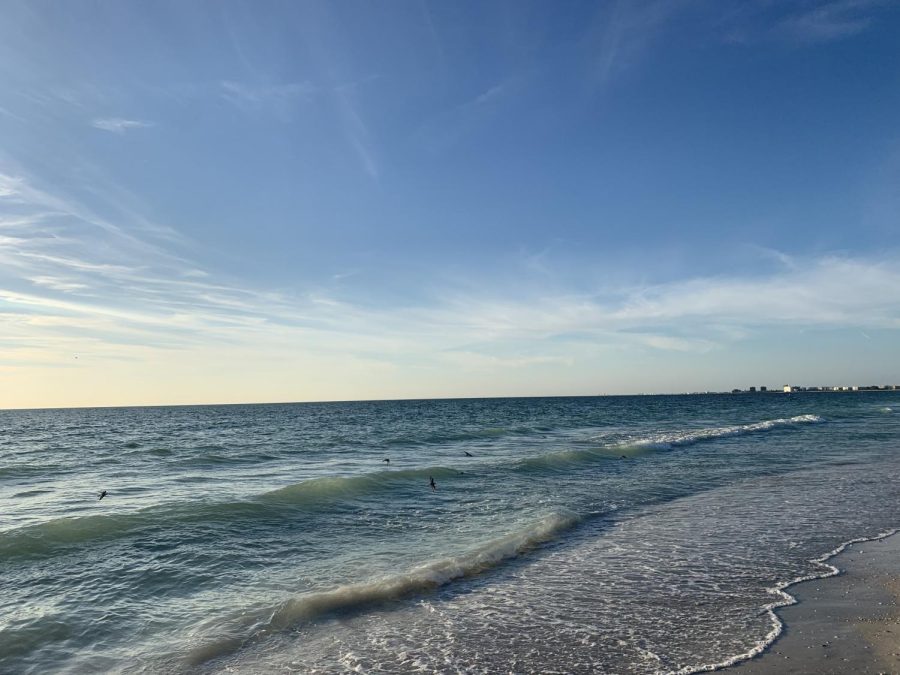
point(844, 624)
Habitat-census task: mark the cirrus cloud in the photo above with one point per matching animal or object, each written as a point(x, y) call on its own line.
point(119, 125)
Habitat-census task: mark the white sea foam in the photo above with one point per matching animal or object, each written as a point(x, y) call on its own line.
point(659, 442)
point(785, 599)
point(424, 577)
point(420, 579)
point(667, 441)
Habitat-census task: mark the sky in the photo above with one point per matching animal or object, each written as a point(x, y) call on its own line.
point(224, 202)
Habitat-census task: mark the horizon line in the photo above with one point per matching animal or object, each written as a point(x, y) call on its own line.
point(732, 392)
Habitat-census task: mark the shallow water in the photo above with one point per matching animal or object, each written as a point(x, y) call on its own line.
point(613, 534)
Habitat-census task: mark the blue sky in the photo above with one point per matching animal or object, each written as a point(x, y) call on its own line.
point(269, 201)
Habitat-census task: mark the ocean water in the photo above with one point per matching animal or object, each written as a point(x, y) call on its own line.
point(604, 534)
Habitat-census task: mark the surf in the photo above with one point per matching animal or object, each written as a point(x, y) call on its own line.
point(318, 494)
point(661, 442)
point(419, 580)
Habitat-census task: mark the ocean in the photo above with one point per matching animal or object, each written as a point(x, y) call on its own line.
point(645, 534)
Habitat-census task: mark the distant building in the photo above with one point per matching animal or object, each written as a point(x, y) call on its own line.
point(752, 390)
point(763, 389)
point(787, 389)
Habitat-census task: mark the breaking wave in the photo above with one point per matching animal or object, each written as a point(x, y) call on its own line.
point(659, 442)
point(418, 580)
point(669, 441)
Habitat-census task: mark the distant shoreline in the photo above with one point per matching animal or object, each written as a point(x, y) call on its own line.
point(447, 398)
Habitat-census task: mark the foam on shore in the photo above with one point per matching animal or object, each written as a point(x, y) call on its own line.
point(785, 599)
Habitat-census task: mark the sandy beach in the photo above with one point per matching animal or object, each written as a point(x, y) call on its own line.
point(849, 623)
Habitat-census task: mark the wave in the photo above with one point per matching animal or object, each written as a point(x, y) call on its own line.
point(219, 457)
point(563, 459)
point(416, 581)
point(426, 577)
point(341, 487)
point(26, 470)
point(44, 538)
point(32, 493)
point(785, 599)
point(660, 442)
point(456, 436)
point(669, 441)
point(60, 533)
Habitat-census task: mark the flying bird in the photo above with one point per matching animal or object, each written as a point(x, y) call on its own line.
point(103, 494)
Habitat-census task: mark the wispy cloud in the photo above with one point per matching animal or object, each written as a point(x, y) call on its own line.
point(263, 93)
point(479, 361)
point(277, 98)
point(23, 201)
point(691, 315)
point(59, 264)
point(452, 125)
point(828, 21)
point(622, 32)
point(798, 22)
point(119, 125)
point(57, 259)
point(355, 129)
point(280, 99)
point(57, 283)
point(70, 287)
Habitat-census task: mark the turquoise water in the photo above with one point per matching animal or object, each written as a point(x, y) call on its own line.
point(607, 534)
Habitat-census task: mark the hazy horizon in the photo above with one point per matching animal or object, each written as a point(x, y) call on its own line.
point(710, 392)
point(215, 203)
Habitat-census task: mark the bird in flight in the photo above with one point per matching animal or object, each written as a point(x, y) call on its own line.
point(103, 494)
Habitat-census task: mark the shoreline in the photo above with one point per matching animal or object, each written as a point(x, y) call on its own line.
point(846, 619)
